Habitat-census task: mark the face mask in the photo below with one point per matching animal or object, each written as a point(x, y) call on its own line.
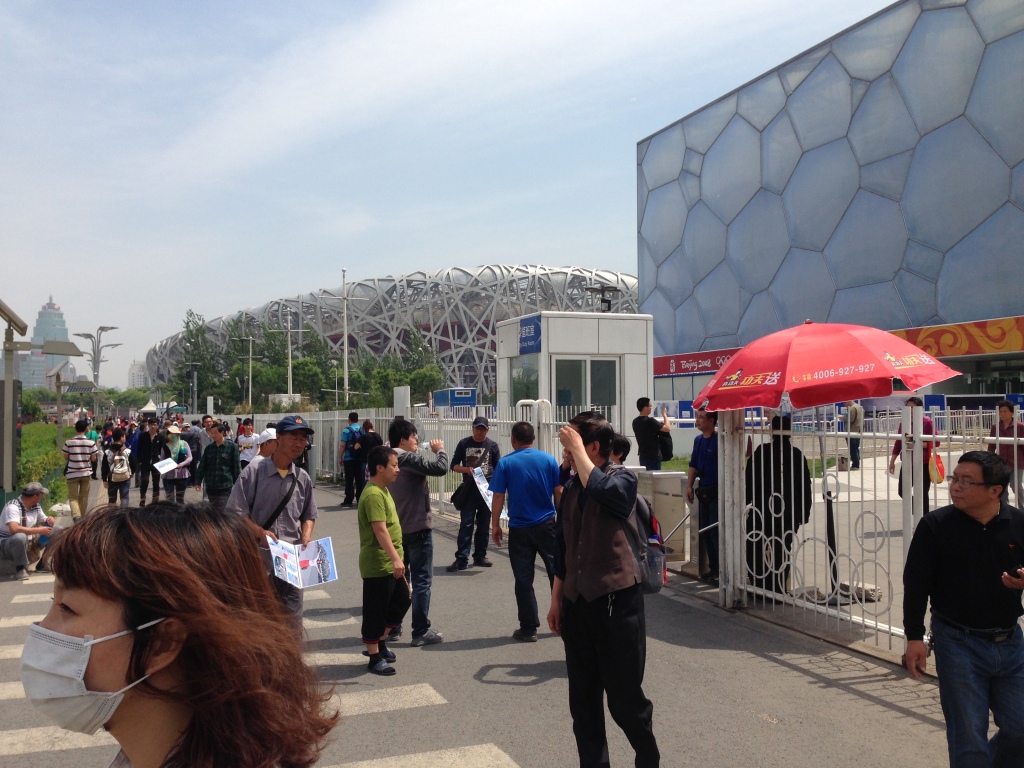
point(53, 673)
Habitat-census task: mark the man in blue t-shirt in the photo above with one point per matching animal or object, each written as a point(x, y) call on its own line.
point(354, 477)
point(531, 519)
point(704, 465)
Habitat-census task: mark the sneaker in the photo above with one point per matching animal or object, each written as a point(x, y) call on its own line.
point(394, 634)
point(524, 637)
point(40, 568)
point(430, 637)
point(76, 519)
point(482, 562)
point(21, 574)
point(457, 566)
point(381, 668)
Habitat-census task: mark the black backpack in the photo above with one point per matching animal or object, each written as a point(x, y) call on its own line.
point(644, 533)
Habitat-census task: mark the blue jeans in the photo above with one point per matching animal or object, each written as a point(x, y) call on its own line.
point(976, 675)
point(854, 452)
point(113, 489)
point(475, 511)
point(524, 544)
point(651, 464)
point(419, 562)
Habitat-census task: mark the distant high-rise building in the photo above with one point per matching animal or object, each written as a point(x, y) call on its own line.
point(49, 327)
point(138, 375)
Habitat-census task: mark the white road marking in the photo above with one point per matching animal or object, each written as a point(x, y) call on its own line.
point(32, 598)
point(478, 756)
point(10, 691)
point(314, 594)
point(19, 621)
point(10, 651)
point(387, 699)
point(317, 624)
point(26, 741)
point(333, 659)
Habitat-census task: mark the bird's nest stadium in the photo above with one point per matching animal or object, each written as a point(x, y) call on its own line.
point(456, 310)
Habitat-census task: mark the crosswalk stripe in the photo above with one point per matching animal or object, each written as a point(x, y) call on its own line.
point(19, 621)
point(314, 594)
point(387, 699)
point(39, 578)
point(44, 598)
point(10, 651)
point(26, 741)
point(10, 691)
point(317, 624)
point(333, 659)
point(479, 756)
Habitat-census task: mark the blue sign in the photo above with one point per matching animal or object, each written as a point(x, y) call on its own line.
point(529, 335)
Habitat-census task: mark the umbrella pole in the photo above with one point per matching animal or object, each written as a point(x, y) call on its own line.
point(830, 515)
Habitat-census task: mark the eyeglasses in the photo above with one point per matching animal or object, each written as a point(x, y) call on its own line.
point(962, 482)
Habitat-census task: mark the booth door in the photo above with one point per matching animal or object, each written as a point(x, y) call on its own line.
point(582, 384)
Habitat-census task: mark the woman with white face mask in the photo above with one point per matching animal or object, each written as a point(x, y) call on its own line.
point(165, 632)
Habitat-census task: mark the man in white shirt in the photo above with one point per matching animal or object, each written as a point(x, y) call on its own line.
point(247, 443)
point(21, 521)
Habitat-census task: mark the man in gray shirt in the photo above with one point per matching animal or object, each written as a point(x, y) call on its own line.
point(412, 500)
point(259, 490)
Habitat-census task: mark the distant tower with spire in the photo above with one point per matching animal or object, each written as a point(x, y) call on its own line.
point(49, 326)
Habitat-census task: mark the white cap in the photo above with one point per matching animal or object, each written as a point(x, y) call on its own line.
point(266, 435)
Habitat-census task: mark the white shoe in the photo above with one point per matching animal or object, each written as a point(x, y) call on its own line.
point(21, 575)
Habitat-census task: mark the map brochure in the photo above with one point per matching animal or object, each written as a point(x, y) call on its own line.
point(165, 466)
point(304, 566)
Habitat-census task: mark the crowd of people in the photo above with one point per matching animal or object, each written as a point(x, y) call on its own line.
point(965, 561)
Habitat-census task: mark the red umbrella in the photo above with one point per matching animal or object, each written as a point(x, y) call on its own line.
point(818, 364)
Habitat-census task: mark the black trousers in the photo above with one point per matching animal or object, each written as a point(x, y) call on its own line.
point(386, 600)
point(146, 472)
point(605, 653)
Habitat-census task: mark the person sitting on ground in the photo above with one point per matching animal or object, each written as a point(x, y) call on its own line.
point(386, 591)
point(22, 522)
point(149, 650)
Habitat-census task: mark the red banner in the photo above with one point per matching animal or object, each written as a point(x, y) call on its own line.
point(692, 362)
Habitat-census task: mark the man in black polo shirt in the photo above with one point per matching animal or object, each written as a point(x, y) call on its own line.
point(968, 558)
point(646, 428)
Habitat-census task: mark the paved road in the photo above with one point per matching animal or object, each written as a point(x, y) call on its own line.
point(728, 689)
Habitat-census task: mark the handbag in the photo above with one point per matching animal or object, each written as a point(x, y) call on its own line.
point(461, 496)
point(936, 470)
point(665, 445)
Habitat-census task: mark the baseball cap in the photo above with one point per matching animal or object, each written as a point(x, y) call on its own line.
point(266, 436)
point(292, 423)
point(481, 421)
point(34, 489)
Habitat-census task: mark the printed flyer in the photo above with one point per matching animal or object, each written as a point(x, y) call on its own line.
point(304, 566)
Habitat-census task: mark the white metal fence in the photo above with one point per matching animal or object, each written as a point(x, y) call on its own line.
point(841, 570)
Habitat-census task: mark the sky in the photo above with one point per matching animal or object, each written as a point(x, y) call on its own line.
point(159, 157)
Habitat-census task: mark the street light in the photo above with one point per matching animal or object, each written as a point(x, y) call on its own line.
point(96, 355)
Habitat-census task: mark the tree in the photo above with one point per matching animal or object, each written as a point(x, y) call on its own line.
point(30, 410)
point(308, 378)
point(424, 381)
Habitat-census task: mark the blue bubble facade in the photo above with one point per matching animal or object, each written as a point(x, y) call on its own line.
point(877, 179)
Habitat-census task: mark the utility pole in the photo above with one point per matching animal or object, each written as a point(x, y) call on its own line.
point(289, 331)
point(250, 340)
point(96, 355)
point(344, 305)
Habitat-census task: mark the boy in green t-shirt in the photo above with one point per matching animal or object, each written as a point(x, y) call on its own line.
point(386, 593)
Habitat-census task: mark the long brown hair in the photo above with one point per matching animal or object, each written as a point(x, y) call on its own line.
point(254, 701)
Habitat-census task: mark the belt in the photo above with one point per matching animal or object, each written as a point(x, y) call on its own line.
point(992, 635)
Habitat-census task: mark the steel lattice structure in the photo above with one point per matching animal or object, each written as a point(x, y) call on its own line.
point(455, 309)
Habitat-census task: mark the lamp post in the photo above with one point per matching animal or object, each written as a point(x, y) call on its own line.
point(250, 340)
point(96, 354)
point(344, 324)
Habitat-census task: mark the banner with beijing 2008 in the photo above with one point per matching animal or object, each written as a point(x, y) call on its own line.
point(304, 566)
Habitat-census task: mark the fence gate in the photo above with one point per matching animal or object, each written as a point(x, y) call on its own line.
point(807, 536)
